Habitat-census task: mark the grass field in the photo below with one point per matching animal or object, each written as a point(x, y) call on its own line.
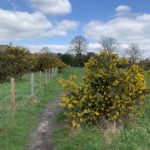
point(135, 136)
point(15, 127)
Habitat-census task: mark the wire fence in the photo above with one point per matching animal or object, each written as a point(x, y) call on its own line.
point(16, 94)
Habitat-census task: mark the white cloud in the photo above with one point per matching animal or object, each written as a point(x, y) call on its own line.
point(16, 25)
point(126, 29)
point(62, 28)
point(121, 28)
point(123, 9)
point(94, 47)
point(52, 7)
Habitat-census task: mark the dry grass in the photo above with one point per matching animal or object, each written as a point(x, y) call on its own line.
point(111, 133)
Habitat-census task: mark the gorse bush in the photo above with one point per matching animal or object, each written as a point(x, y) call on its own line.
point(16, 61)
point(46, 60)
point(112, 92)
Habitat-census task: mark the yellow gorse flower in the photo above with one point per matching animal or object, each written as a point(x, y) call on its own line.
point(112, 94)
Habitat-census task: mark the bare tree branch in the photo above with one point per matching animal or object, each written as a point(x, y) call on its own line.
point(109, 44)
point(133, 53)
point(78, 45)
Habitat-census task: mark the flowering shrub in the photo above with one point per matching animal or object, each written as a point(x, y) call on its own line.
point(112, 91)
point(16, 61)
point(43, 61)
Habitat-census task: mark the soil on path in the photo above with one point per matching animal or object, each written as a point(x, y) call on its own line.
point(42, 138)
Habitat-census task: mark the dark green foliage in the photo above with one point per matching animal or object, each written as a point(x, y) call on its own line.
point(66, 58)
point(74, 60)
point(145, 64)
point(14, 62)
point(46, 60)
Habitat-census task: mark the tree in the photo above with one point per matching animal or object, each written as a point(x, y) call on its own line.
point(78, 46)
point(14, 62)
point(133, 53)
point(108, 44)
point(66, 58)
point(145, 64)
point(46, 60)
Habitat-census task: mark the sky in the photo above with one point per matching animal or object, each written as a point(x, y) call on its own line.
point(54, 23)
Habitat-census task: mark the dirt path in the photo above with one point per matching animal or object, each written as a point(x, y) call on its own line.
point(42, 138)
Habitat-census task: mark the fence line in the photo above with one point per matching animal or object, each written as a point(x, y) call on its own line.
point(32, 86)
point(16, 95)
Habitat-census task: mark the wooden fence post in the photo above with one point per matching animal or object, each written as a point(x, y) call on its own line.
point(13, 102)
point(32, 86)
point(40, 80)
point(56, 70)
point(49, 73)
point(45, 77)
point(52, 72)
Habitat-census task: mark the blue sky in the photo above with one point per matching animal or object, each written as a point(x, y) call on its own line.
point(53, 23)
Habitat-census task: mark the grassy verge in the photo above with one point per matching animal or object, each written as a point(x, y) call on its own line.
point(135, 136)
point(15, 127)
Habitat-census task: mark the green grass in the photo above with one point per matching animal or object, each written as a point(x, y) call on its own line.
point(16, 127)
point(135, 136)
point(80, 139)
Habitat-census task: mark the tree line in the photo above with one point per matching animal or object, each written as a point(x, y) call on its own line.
point(77, 54)
point(16, 61)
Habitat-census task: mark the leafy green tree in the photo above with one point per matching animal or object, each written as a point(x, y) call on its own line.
point(46, 60)
point(14, 62)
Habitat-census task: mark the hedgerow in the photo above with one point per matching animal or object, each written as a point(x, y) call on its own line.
point(112, 92)
point(45, 60)
point(16, 61)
